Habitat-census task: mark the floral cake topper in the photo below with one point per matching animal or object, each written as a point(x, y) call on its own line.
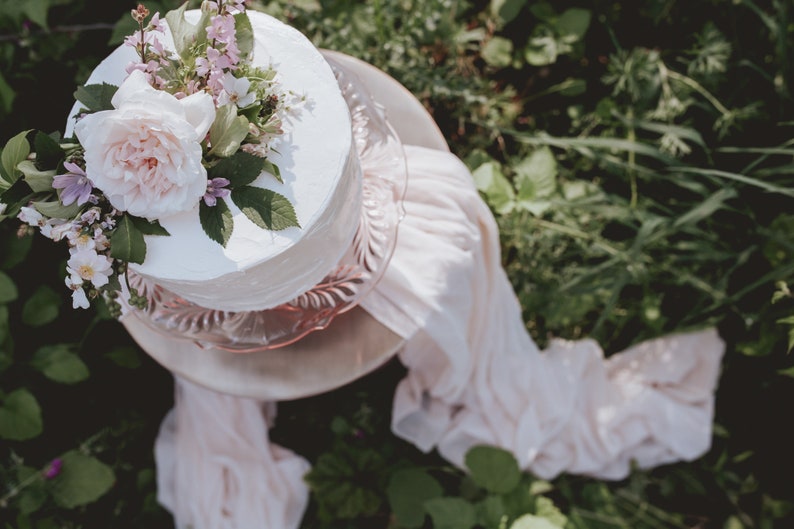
point(189, 128)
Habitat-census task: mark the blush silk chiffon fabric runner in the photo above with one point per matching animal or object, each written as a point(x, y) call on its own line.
point(474, 377)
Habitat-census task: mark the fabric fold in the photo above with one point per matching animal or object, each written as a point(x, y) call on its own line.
point(216, 468)
point(476, 377)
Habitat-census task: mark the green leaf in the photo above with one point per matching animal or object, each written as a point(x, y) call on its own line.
point(39, 181)
point(7, 95)
point(542, 50)
point(265, 208)
point(148, 227)
point(34, 493)
point(407, 491)
point(530, 521)
point(451, 513)
point(8, 290)
point(498, 52)
point(6, 342)
point(15, 150)
point(493, 469)
point(573, 23)
point(126, 357)
point(83, 479)
point(536, 179)
point(216, 221)
point(59, 363)
point(489, 179)
point(16, 196)
point(240, 169)
point(20, 416)
point(491, 511)
point(506, 10)
point(184, 33)
point(36, 10)
point(244, 33)
point(227, 131)
point(48, 151)
point(96, 97)
point(126, 242)
point(545, 508)
point(42, 307)
point(57, 210)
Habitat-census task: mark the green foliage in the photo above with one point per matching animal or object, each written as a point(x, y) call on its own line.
point(83, 480)
point(638, 160)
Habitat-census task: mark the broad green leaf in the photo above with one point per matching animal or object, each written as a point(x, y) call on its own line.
point(489, 179)
point(184, 33)
point(265, 208)
point(16, 196)
point(15, 150)
point(57, 210)
point(8, 290)
point(127, 242)
point(227, 131)
point(498, 52)
point(96, 97)
point(59, 363)
point(493, 469)
point(573, 23)
point(240, 169)
point(407, 491)
point(216, 221)
point(83, 480)
point(42, 307)
point(7, 95)
point(244, 33)
point(451, 513)
point(530, 521)
point(148, 227)
point(573, 87)
point(542, 10)
point(506, 10)
point(20, 416)
point(33, 495)
point(126, 357)
point(490, 511)
point(39, 181)
point(536, 175)
point(48, 152)
point(36, 10)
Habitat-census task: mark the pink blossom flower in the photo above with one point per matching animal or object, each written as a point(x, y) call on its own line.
point(221, 29)
point(215, 190)
point(53, 469)
point(75, 184)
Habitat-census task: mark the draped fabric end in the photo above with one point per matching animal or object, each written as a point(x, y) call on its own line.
point(474, 377)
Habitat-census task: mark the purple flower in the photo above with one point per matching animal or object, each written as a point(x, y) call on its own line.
point(75, 185)
point(54, 469)
point(215, 190)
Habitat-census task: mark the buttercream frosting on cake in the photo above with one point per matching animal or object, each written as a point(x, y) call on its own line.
point(260, 269)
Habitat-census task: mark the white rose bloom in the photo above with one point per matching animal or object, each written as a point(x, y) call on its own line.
point(145, 155)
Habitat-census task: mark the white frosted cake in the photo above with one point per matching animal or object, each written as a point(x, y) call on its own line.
point(260, 269)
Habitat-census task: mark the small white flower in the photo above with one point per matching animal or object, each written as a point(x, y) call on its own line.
point(58, 229)
point(80, 240)
point(3, 207)
point(101, 242)
point(31, 216)
point(87, 265)
point(236, 91)
point(90, 216)
point(79, 299)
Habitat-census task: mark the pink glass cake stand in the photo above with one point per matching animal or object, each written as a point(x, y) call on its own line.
point(285, 359)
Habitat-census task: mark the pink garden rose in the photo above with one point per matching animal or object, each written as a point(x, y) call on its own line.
point(145, 155)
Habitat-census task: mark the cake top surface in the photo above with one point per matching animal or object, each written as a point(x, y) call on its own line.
point(312, 156)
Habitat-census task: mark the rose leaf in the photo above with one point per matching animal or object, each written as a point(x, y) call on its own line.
point(96, 97)
point(240, 169)
point(216, 221)
point(265, 208)
point(126, 242)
